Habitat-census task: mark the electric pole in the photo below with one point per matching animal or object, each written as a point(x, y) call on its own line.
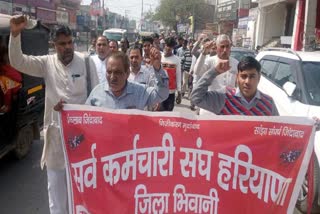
point(141, 21)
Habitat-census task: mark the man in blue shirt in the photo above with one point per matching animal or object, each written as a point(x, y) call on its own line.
point(119, 93)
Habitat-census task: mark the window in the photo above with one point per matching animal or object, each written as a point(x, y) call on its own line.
point(267, 68)
point(283, 74)
point(311, 72)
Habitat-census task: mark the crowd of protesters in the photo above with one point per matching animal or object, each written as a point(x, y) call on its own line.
point(153, 74)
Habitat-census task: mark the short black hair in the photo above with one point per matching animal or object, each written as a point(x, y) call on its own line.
point(62, 30)
point(170, 42)
point(155, 35)
point(135, 47)
point(247, 63)
point(147, 39)
point(114, 41)
point(102, 36)
point(206, 40)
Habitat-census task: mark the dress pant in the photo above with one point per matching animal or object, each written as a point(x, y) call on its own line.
point(168, 104)
point(57, 191)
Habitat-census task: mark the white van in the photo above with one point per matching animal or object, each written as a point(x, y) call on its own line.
point(115, 34)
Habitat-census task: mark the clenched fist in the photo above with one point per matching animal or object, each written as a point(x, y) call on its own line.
point(17, 24)
point(222, 66)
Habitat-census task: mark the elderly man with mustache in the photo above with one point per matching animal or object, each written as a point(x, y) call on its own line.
point(67, 78)
point(120, 93)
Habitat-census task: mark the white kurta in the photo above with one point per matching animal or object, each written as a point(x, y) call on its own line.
point(68, 83)
point(101, 66)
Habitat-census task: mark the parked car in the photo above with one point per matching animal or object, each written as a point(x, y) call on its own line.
point(21, 125)
point(238, 53)
point(293, 80)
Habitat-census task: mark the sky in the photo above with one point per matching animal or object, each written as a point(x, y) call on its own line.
point(130, 7)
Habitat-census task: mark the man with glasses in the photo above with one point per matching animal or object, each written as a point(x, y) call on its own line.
point(119, 93)
point(100, 58)
point(66, 78)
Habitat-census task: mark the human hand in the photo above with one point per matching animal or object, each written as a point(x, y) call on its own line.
point(202, 37)
point(222, 66)
point(155, 58)
point(4, 109)
point(156, 107)
point(17, 24)
point(59, 105)
point(208, 46)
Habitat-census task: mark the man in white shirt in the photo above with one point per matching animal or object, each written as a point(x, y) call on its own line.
point(101, 56)
point(138, 73)
point(206, 62)
point(65, 78)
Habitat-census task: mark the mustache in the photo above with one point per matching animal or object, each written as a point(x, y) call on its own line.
point(68, 51)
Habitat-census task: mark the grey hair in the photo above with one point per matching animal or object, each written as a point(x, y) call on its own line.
point(223, 37)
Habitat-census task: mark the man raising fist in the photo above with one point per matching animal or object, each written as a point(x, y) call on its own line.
point(66, 78)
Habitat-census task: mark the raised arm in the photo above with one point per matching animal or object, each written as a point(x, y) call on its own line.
point(160, 90)
point(32, 65)
point(210, 100)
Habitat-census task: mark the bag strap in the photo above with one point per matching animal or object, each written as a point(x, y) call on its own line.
point(88, 75)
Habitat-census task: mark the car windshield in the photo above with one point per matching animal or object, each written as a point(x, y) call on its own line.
point(238, 55)
point(113, 36)
point(312, 79)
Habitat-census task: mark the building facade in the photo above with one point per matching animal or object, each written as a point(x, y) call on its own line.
point(288, 23)
point(50, 12)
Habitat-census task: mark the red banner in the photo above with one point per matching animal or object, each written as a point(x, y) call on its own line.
point(132, 161)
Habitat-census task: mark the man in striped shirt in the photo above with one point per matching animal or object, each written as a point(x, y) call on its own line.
point(244, 100)
point(186, 62)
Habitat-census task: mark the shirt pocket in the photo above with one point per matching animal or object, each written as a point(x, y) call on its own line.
point(78, 84)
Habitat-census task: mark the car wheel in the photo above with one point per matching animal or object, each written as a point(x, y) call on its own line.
point(302, 202)
point(23, 142)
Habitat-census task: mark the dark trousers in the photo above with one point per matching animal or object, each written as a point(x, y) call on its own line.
point(168, 104)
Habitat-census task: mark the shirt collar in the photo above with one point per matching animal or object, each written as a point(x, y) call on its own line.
point(129, 88)
point(140, 71)
point(100, 60)
point(239, 94)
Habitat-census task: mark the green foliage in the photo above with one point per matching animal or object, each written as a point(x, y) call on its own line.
point(170, 12)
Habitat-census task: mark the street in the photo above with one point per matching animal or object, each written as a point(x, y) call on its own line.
point(23, 184)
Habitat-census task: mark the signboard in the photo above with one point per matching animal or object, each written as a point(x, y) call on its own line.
point(5, 8)
point(62, 17)
point(46, 15)
point(182, 28)
point(243, 23)
point(130, 161)
point(19, 9)
point(95, 8)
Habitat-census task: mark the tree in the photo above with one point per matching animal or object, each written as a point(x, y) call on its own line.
point(171, 12)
